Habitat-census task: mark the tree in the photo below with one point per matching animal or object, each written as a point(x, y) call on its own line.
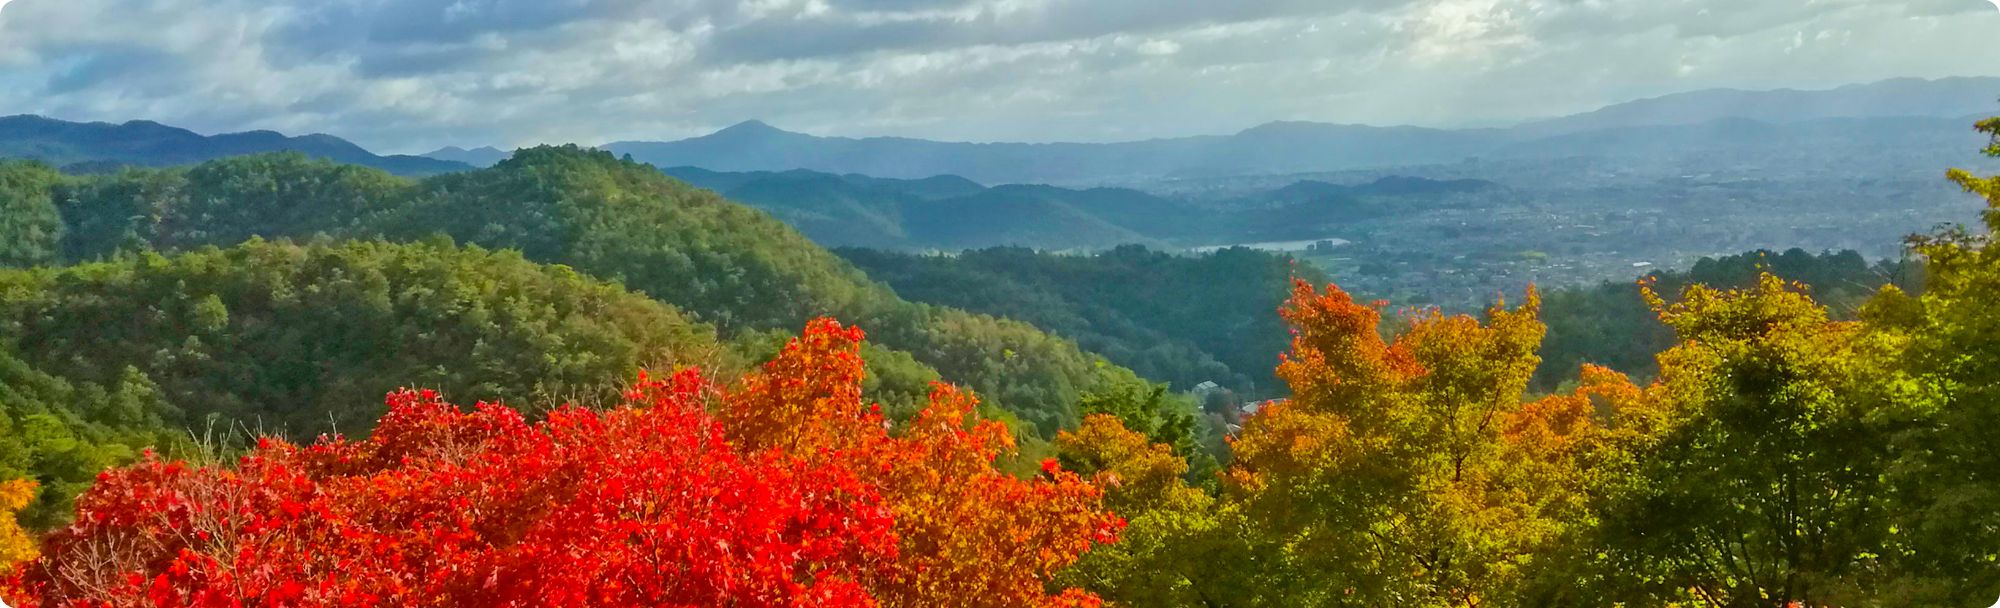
point(1149, 410)
point(791, 493)
point(1948, 470)
point(1380, 482)
point(31, 228)
point(1181, 547)
point(1611, 325)
point(1743, 500)
point(15, 545)
point(970, 534)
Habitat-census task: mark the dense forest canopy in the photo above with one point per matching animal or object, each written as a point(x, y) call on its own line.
point(1185, 320)
point(719, 262)
point(103, 359)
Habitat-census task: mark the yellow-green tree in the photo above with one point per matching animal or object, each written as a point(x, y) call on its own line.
point(1181, 547)
point(1949, 471)
point(1389, 478)
point(1763, 483)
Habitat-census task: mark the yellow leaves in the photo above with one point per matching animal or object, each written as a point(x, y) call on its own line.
point(16, 546)
point(1706, 314)
point(1136, 474)
point(1289, 442)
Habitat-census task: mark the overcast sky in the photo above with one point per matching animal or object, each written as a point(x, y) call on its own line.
point(410, 75)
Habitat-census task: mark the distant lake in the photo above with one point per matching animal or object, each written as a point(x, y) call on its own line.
point(1285, 246)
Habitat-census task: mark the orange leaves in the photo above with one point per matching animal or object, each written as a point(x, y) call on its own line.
point(807, 398)
point(791, 493)
point(1337, 353)
point(1385, 476)
point(15, 544)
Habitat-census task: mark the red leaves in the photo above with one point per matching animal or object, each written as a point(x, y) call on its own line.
point(968, 535)
point(790, 494)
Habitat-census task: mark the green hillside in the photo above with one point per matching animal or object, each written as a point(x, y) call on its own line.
point(1180, 319)
point(720, 262)
point(102, 359)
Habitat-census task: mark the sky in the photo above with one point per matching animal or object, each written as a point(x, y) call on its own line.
point(411, 75)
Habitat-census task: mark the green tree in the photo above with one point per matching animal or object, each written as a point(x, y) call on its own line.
point(31, 227)
point(1764, 486)
point(1949, 470)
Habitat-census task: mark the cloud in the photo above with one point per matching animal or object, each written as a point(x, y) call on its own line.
point(406, 75)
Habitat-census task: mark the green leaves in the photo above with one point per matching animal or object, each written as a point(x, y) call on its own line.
point(31, 228)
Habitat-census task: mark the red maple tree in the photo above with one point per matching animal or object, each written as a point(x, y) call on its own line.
point(785, 490)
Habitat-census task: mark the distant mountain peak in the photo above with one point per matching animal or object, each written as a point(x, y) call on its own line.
point(458, 150)
point(752, 127)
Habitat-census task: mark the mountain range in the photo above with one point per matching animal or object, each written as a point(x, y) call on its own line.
point(952, 213)
point(1907, 122)
point(98, 146)
point(1899, 114)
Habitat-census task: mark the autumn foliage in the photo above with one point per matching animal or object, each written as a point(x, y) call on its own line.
point(784, 490)
point(15, 544)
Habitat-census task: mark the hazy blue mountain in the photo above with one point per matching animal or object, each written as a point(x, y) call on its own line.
point(96, 146)
point(1049, 217)
point(1878, 146)
point(1673, 124)
point(952, 213)
point(929, 188)
point(1895, 98)
point(756, 146)
point(948, 212)
point(484, 156)
point(934, 187)
point(1274, 148)
point(829, 209)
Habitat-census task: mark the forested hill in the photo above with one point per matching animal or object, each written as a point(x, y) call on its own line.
point(1182, 319)
point(98, 146)
point(101, 360)
point(947, 212)
point(719, 262)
